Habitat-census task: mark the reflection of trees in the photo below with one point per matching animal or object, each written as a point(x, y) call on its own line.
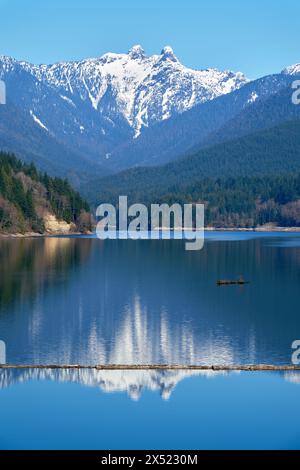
point(30, 265)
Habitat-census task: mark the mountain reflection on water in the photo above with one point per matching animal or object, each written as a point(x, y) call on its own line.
point(85, 301)
point(132, 382)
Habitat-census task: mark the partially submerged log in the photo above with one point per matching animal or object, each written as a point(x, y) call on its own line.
point(232, 283)
point(228, 282)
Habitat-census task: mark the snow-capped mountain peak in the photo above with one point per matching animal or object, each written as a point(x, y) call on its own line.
point(141, 89)
point(292, 70)
point(101, 103)
point(136, 52)
point(168, 53)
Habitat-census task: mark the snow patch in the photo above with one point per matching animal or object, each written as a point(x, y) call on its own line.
point(292, 70)
point(253, 97)
point(38, 121)
point(65, 98)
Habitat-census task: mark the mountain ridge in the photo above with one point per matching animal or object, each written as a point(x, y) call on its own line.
point(182, 134)
point(90, 78)
point(103, 115)
point(93, 106)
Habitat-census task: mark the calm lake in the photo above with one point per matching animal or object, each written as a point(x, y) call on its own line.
point(80, 300)
point(148, 410)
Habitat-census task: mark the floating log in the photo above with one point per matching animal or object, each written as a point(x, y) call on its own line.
point(232, 283)
point(237, 282)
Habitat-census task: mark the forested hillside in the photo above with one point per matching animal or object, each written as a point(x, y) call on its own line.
point(275, 151)
point(244, 202)
point(247, 182)
point(31, 201)
point(236, 202)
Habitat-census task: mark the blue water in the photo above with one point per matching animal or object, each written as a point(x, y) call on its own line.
point(143, 411)
point(82, 300)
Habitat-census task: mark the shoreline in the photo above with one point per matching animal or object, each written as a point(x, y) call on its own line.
point(263, 229)
point(257, 229)
point(42, 235)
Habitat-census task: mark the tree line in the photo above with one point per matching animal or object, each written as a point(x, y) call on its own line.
point(23, 189)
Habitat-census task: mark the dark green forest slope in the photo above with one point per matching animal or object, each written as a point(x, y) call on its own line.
point(247, 182)
point(275, 151)
point(28, 197)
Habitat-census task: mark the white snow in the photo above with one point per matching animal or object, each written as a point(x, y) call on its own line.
point(38, 121)
point(65, 98)
point(292, 70)
point(144, 89)
point(253, 97)
point(140, 88)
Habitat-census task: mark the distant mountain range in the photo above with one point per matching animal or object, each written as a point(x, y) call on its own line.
point(86, 110)
point(214, 121)
point(95, 117)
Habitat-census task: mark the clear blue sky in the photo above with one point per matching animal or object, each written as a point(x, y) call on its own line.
point(254, 36)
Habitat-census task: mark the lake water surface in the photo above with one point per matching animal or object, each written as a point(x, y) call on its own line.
point(148, 410)
point(79, 300)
